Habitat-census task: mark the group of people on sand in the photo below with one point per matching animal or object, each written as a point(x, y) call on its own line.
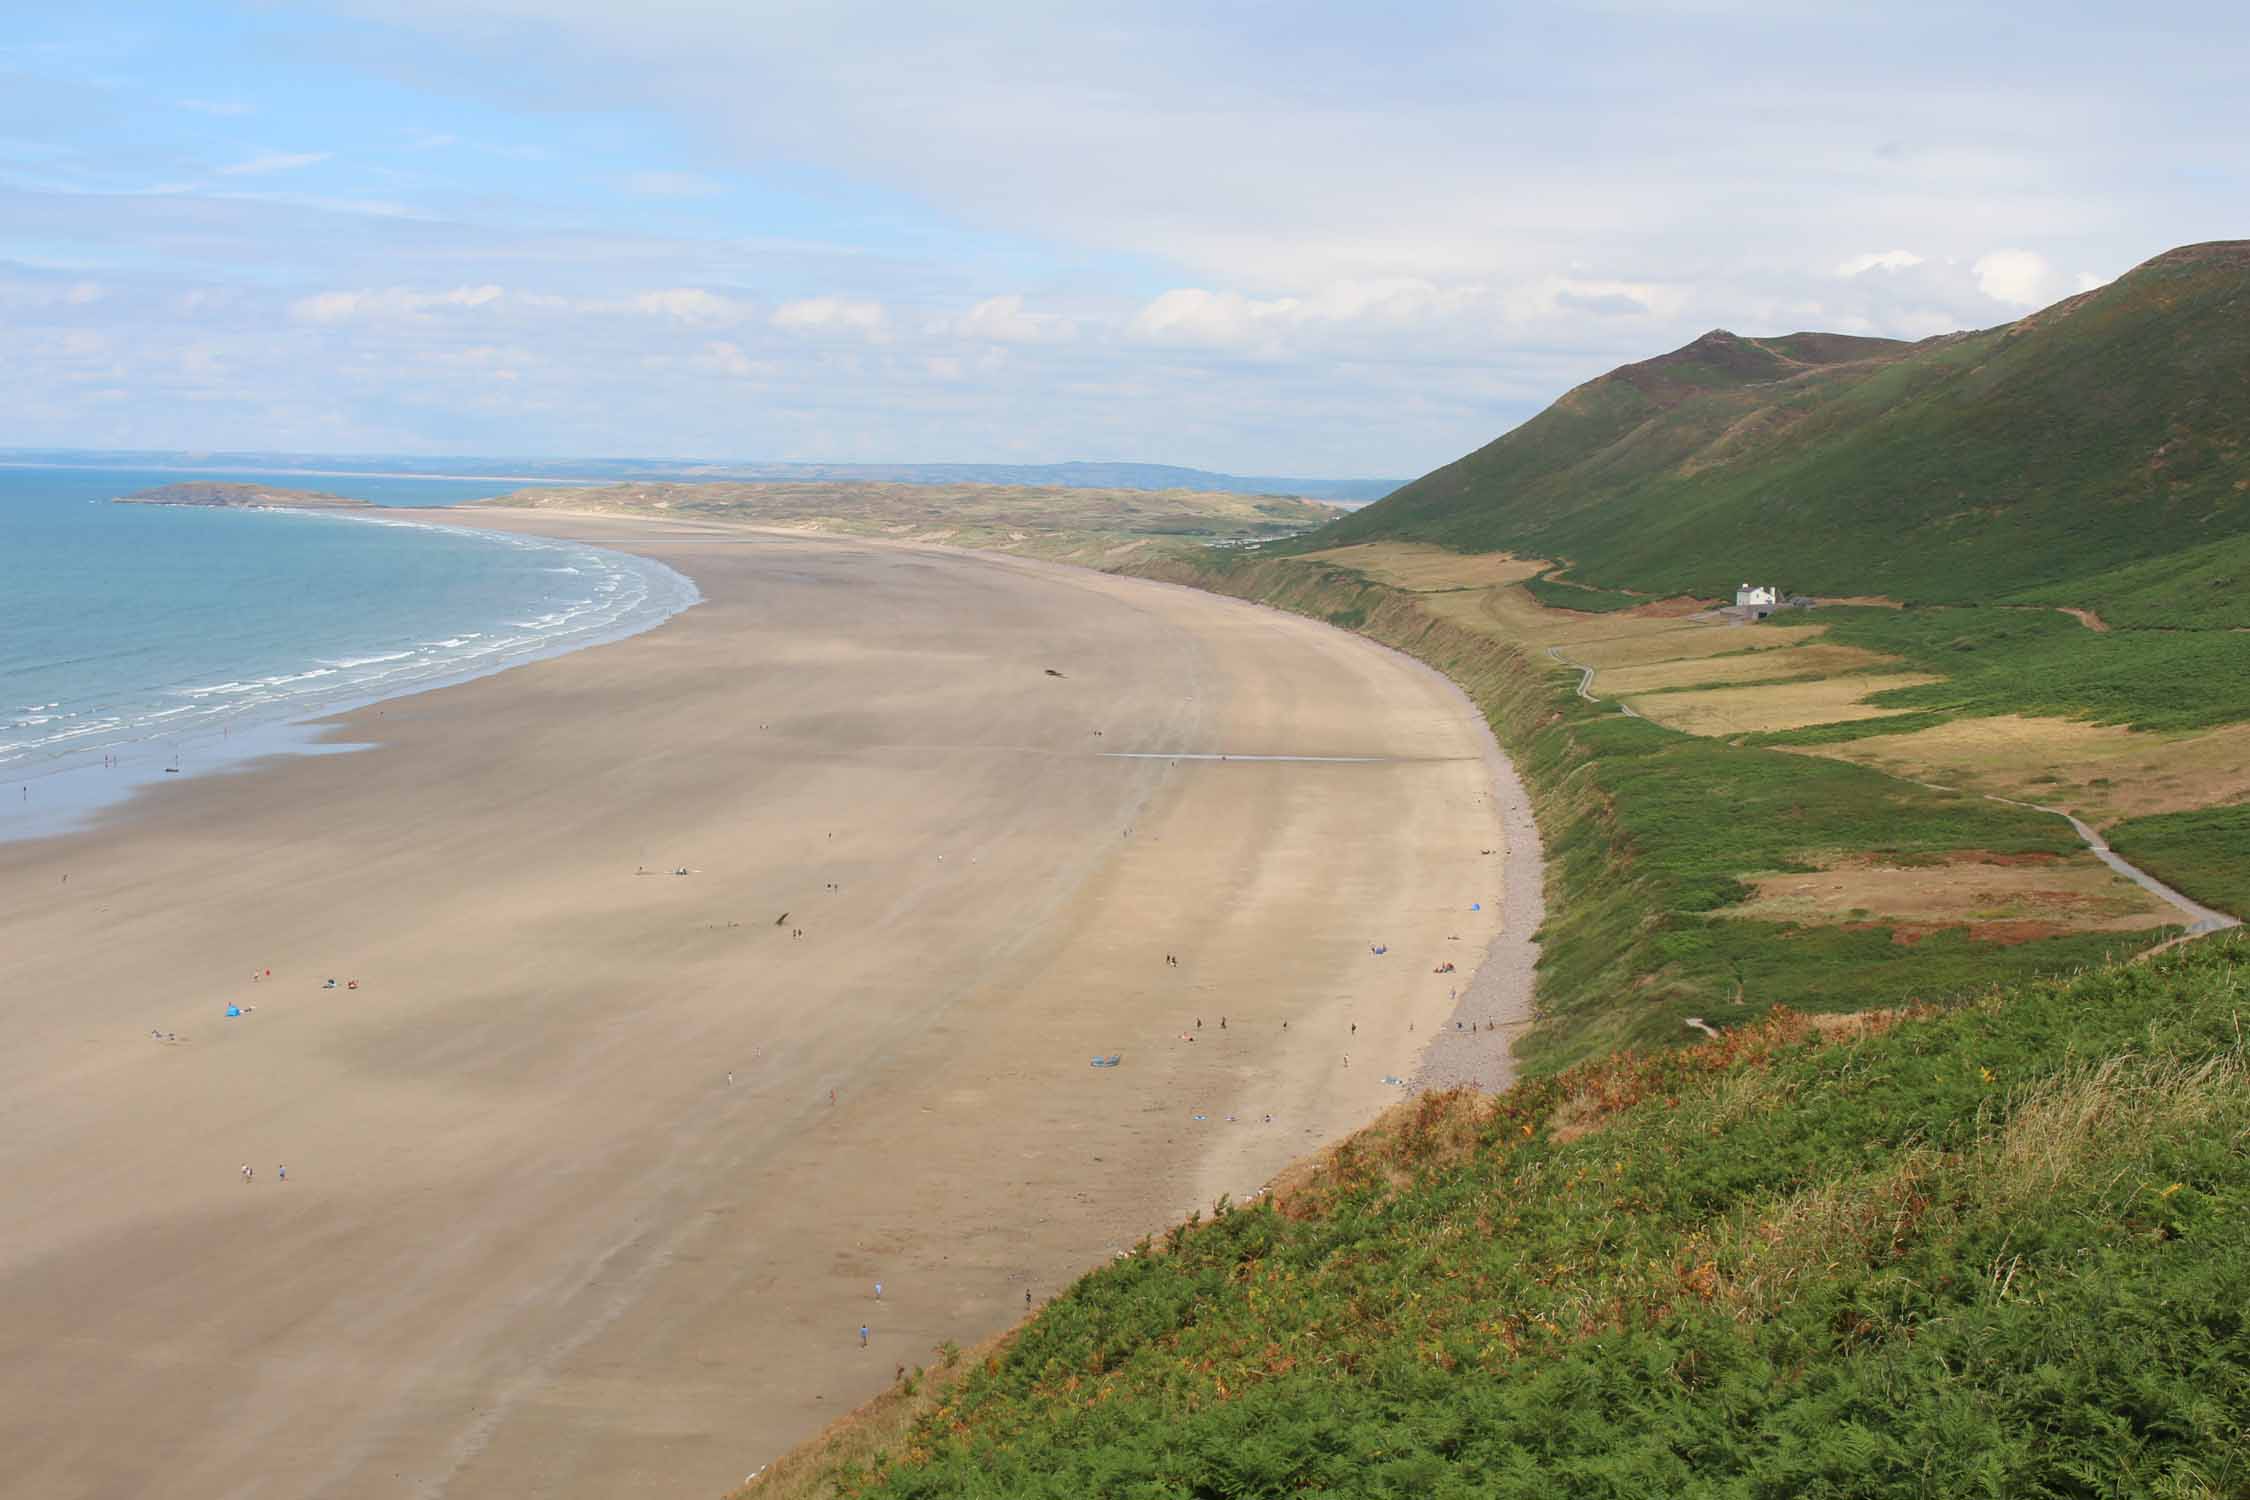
point(281, 1172)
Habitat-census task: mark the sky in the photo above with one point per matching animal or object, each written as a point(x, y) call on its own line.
point(1302, 239)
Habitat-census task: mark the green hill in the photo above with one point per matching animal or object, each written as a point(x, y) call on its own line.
point(2053, 456)
point(1995, 1249)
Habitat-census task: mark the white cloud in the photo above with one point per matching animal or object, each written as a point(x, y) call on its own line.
point(844, 314)
point(1605, 299)
point(691, 304)
point(725, 357)
point(24, 295)
point(1003, 320)
point(1880, 260)
point(1451, 257)
point(2018, 277)
point(1915, 323)
point(222, 107)
point(274, 161)
point(392, 303)
point(1192, 315)
point(1391, 315)
point(673, 185)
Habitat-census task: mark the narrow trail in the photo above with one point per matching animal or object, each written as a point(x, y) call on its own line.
point(1586, 682)
point(2201, 919)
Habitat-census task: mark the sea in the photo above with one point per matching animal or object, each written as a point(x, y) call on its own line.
point(141, 643)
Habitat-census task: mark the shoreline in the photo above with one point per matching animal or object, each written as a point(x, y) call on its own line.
point(569, 1204)
point(80, 787)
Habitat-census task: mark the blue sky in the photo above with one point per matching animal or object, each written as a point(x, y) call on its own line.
point(1303, 238)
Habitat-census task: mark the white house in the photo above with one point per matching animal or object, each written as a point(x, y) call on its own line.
point(1751, 597)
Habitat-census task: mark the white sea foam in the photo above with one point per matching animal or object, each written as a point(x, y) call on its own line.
point(616, 595)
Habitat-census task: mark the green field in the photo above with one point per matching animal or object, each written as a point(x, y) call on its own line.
point(2042, 663)
point(1555, 593)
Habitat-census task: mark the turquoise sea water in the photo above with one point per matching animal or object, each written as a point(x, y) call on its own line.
point(134, 638)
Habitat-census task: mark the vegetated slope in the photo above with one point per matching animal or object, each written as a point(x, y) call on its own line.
point(2111, 428)
point(1994, 1249)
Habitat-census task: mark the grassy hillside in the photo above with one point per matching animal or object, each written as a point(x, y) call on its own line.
point(2105, 431)
point(1993, 1249)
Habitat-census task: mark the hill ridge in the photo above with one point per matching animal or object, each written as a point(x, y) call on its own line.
point(2111, 427)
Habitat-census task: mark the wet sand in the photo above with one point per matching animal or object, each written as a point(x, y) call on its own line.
point(533, 1242)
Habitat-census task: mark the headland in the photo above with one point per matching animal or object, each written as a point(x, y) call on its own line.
point(239, 495)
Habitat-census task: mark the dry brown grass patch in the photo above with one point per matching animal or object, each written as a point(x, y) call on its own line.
point(2057, 762)
point(1665, 641)
point(1756, 667)
point(1420, 568)
point(1993, 896)
point(1747, 710)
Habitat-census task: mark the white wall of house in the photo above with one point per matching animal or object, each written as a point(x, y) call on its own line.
point(1749, 595)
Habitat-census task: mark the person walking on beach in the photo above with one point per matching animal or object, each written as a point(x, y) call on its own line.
point(282, 1171)
point(878, 1291)
point(863, 1335)
point(246, 1171)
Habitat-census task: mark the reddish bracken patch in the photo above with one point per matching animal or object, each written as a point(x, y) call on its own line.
point(2000, 934)
point(1667, 609)
point(2008, 934)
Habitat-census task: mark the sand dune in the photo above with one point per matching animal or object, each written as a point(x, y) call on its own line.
point(533, 1241)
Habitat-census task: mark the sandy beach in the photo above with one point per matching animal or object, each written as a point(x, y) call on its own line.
point(533, 1240)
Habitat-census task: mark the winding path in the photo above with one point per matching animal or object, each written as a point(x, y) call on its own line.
point(1586, 682)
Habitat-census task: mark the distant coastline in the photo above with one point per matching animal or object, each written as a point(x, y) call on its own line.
point(233, 495)
point(1349, 493)
point(295, 473)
